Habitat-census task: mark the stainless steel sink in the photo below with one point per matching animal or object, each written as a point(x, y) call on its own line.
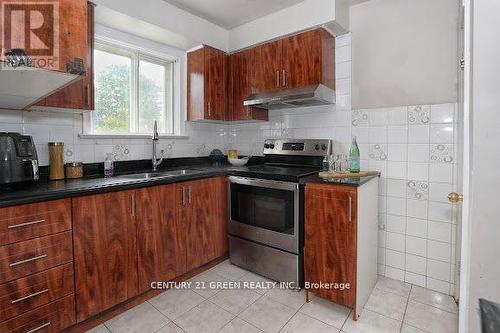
point(163, 174)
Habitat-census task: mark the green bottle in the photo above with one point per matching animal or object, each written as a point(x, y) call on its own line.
point(354, 157)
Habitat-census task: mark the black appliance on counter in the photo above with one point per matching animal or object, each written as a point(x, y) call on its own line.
point(266, 209)
point(18, 159)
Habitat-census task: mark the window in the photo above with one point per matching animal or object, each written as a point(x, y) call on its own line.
point(132, 90)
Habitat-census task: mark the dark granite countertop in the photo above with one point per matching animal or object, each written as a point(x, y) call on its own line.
point(337, 181)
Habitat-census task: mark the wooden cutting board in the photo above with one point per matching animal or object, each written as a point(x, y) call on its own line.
point(329, 174)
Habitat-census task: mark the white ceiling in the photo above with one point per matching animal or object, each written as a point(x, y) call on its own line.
point(232, 13)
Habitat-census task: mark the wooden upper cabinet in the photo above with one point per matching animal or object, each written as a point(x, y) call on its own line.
point(160, 257)
point(241, 79)
point(330, 240)
point(207, 84)
point(266, 67)
point(308, 59)
point(105, 251)
point(79, 95)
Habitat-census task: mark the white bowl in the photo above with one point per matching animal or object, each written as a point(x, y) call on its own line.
point(238, 161)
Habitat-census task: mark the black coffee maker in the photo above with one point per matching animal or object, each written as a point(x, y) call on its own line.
point(18, 159)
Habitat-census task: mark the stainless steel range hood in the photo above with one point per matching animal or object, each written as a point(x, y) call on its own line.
point(292, 98)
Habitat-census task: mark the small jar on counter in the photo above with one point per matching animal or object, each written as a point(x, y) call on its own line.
point(74, 170)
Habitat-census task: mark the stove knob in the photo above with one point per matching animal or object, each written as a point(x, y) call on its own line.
point(316, 147)
point(266, 146)
point(323, 147)
point(271, 146)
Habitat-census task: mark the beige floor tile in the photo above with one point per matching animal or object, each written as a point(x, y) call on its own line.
point(267, 314)
point(265, 284)
point(99, 329)
point(204, 318)
point(204, 284)
point(292, 298)
point(301, 323)
point(410, 329)
point(372, 322)
point(434, 298)
point(328, 312)
point(393, 286)
point(431, 319)
point(170, 328)
point(235, 300)
point(239, 326)
point(175, 302)
point(387, 304)
point(143, 318)
point(229, 271)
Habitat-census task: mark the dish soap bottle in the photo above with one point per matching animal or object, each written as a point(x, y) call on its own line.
point(354, 157)
point(108, 165)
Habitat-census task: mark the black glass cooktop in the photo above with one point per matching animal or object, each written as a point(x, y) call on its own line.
point(273, 172)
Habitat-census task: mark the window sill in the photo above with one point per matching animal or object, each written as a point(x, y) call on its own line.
point(130, 136)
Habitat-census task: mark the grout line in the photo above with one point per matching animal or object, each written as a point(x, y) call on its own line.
point(406, 309)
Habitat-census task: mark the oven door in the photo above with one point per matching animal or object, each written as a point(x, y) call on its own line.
point(265, 211)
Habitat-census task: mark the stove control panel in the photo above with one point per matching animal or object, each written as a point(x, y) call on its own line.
point(304, 147)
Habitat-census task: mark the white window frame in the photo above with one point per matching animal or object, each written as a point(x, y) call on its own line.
point(137, 54)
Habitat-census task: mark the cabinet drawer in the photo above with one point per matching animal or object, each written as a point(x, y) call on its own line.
point(25, 222)
point(30, 292)
point(36, 255)
point(53, 317)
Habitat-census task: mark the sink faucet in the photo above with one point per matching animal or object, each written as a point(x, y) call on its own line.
point(156, 161)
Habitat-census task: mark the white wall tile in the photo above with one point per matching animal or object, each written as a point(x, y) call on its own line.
point(417, 208)
point(439, 231)
point(438, 285)
point(395, 259)
point(396, 170)
point(418, 171)
point(416, 227)
point(418, 153)
point(396, 224)
point(441, 133)
point(443, 113)
point(396, 188)
point(439, 211)
point(439, 250)
point(397, 152)
point(396, 206)
point(397, 134)
point(397, 115)
point(418, 134)
point(441, 173)
point(439, 191)
point(395, 242)
point(438, 270)
point(416, 279)
point(416, 264)
point(395, 273)
point(416, 246)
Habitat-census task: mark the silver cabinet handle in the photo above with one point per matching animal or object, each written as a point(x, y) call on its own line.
point(183, 196)
point(39, 327)
point(350, 209)
point(209, 109)
point(25, 261)
point(25, 224)
point(29, 296)
point(248, 111)
point(190, 194)
point(132, 205)
point(277, 78)
point(284, 78)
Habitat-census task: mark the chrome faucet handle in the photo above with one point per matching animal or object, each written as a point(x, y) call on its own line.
point(155, 131)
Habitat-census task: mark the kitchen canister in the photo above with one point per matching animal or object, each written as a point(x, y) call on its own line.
point(74, 170)
point(56, 160)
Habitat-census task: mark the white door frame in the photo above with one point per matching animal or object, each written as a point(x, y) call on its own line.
point(467, 125)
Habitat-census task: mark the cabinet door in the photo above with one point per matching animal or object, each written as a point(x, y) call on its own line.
point(266, 67)
point(216, 83)
point(302, 55)
point(105, 250)
point(241, 72)
point(196, 99)
point(159, 257)
point(79, 95)
point(330, 240)
point(219, 227)
point(199, 203)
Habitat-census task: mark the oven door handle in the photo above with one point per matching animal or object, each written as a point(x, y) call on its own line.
point(273, 184)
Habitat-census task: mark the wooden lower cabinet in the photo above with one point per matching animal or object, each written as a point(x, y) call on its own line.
point(28, 293)
point(341, 242)
point(160, 255)
point(105, 247)
point(203, 216)
point(50, 318)
point(125, 240)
